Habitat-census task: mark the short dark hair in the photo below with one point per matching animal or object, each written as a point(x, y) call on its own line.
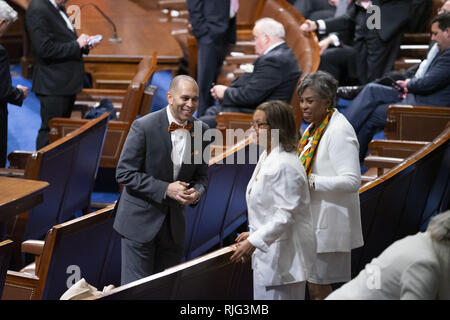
point(279, 115)
point(443, 20)
point(323, 83)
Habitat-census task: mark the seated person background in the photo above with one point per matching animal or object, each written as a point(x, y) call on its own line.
point(415, 267)
point(367, 112)
point(316, 9)
point(335, 39)
point(372, 52)
point(274, 77)
point(350, 92)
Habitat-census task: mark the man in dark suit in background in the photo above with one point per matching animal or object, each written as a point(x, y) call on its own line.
point(374, 48)
point(274, 76)
point(367, 112)
point(214, 26)
point(8, 93)
point(161, 173)
point(58, 73)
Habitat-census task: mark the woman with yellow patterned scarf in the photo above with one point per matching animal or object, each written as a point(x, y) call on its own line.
point(329, 152)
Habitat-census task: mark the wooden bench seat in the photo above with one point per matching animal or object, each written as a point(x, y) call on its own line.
point(70, 166)
point(402, 200)
point(72, 250)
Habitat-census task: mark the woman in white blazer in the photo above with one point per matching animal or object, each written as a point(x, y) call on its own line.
point(416, 267)
point(329, 151)
point(281, 239)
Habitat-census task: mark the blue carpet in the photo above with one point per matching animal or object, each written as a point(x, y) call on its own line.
point(24, 123)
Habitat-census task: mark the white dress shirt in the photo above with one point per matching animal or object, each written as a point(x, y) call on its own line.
point(179, 138)
point(273, 47)
point(66, 18)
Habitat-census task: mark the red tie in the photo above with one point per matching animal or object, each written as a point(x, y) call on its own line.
point(173, 126)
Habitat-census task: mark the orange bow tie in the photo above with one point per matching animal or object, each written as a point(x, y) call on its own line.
point(173, 126)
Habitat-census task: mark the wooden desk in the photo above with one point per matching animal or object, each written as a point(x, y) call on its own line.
point(140, 30)
point(18, 195)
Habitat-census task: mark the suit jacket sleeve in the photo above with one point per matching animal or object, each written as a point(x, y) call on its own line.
point(342, 23)
point(342, 147)
point(435, 79)
point(130, 170)
point(200, 179)
point(8, 93)
point(252, 89)
point(44, 44)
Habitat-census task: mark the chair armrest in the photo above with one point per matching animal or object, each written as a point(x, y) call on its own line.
point(33, 246)
point(18, 159)
point(382, 163)
point(365, 179)
point(20, 286)
point(36, 248)
point(246, 58)
point(395, 148)
point(12, 173)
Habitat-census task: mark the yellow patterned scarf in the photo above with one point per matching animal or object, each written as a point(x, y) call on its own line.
point(308, 156)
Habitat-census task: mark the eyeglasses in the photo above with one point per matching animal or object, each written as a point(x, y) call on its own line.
point(258, 125)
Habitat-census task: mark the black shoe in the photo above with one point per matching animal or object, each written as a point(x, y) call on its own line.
point(349, 92)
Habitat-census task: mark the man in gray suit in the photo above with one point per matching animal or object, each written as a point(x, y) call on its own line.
point(161, 173)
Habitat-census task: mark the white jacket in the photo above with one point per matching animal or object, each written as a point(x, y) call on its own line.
point(410, 269)
point(280, 220)
point(335, 200)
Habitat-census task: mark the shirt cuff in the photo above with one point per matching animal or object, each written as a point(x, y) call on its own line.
point(257, 242)
point(321, 26)
point(335, 39)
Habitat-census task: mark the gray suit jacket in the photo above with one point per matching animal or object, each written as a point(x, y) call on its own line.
point(145, 169)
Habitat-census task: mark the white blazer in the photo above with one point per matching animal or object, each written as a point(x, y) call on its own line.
point(335, 200)
point(411, 268)
point(280, 220)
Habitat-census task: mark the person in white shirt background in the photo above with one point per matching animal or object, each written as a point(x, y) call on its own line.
point(416, 267)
